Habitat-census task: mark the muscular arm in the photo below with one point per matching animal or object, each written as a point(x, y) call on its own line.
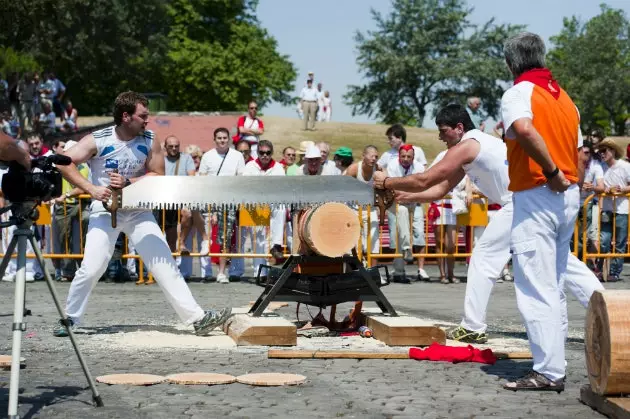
point(435, 192)
point(11, 151)
point(450, 165)
point(532, 142)
point(353, 170)
point(80, 153)
point(155, 161)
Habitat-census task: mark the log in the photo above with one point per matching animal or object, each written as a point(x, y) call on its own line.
point(331, 229)
point(607, 342)
point(613, 407)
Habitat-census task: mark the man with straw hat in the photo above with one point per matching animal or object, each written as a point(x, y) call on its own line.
point(293, 169)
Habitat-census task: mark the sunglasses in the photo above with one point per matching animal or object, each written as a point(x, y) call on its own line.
point(172, 146)
point(265, 153)
point(254, 109)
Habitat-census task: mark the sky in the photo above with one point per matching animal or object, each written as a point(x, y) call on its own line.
point(318, 36)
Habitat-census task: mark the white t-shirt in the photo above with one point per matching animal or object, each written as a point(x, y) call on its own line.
point(593, 173)
point(460, 185)
point(325, 170)
point(395, 169)
point(253, 169)
point(332, 167)
point(618, 175)
point(392, 154)
point(231, 163)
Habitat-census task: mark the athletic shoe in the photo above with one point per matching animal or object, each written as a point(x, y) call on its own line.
point(613, 278)
point(8, 278)
point(407, 256)
point(534, 381)
point(204, 248)
point(30, 277)
point(454, 280)
point(223, 279)
point(506, 275)
point(423, 275)
point(211, 320)
point(276, 252)
point(461, 334)
point(60, 330)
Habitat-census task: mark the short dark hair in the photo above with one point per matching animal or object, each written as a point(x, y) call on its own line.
point(56, 142)
point(454, 114)
point(284, 150)
point(345, 161)
point(126, 102)
point(239, 142)
point(221, 129)
point(265, 143)
point(397, 130)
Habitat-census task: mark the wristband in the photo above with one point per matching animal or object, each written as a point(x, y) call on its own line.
point(127, 182)
point(384, 181)
point(551, 175)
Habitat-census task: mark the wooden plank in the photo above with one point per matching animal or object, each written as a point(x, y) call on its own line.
point(512, 355)
point(613, 407)
point(321, 354)
point(247, 330)
point(404, 330)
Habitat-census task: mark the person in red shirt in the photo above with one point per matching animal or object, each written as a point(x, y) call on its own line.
point(250, 128)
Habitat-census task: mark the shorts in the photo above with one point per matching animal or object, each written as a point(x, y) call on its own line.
point(169, 218)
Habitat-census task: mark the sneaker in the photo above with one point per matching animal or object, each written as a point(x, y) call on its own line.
point(534, 381)
point(454, 280)
point(407, 256)
point(30, 277)
point(506, 275)
point(613, 278)
point(223, 279)
point(276, 252)
point(461, 334)
point(211, 320)
point(60, 330)
point(423, 275)
point(499, 280)
point(204, 248)
point(8, 278)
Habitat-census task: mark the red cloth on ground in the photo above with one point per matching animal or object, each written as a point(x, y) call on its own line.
point(454, 354)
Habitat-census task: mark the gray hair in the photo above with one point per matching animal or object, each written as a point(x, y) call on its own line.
point(265, 143)
point(323, 144)
point(524, 52)
point(472, 99)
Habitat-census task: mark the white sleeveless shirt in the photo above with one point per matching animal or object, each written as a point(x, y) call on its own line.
point(360, 174)
point(489, 170)
point(129, 157)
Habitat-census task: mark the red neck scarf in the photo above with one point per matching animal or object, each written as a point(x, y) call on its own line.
point(542, 78)
point(271, 164)
point(284, 163)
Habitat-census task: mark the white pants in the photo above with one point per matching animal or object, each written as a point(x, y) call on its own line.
point(185, 263)
point(489, 256)
point(276, 228)
point(402, 232)
point(142, 230)
point(32, 266)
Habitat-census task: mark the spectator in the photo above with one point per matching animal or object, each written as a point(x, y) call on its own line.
point(245, 149)
point(58, 90)
point(14, 99)
point(324, 149)
point(4, 95)
point(10, 125)
point(36, 147)
point(222, 161)
point(70, 116)
point(313, 164)
point(396, 137)
point(250, 128)
point(27, 92)
point(295, 167)
point(343, 159)
point(614, 210)
point(398, 216)
point(265, 165)
point(46, 125)
point(320, 102)
point(288, 157)
point(474, 110)
point(58, 145)
point(308, 99)
point(326, 107)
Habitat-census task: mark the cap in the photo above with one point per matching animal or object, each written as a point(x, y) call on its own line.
point(344, 152)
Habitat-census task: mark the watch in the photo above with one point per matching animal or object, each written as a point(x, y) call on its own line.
point(551, 175)
point(127, 182)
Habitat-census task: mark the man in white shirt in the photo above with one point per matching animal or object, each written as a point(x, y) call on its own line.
point(265, 165)
point(222, 161)
point(398, 221)
point(313, 164)
point(329, 165)
point(615, 209)
point(396, 137)
point(308, 98)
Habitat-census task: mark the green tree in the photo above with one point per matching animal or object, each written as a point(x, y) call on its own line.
point(427, 52)
point(592, 62)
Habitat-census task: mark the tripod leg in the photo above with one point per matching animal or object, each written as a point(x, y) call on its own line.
point(95, 395)
point(18, 325)
point(7, 256)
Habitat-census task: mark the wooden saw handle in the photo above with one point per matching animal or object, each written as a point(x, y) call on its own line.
point(116, 201)
point(384, 198)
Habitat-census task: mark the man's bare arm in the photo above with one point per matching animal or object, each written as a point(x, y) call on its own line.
point(155, 161)
point(11, 151)
point(353, 170)
point(80, 153)
point(434, 193)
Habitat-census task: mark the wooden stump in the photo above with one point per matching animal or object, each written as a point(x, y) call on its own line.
point(607, 342)
point(613, 407)
point(247, 330)
point(330, 229)
point(404, 330)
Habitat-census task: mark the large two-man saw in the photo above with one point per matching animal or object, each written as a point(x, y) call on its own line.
point(225, 192)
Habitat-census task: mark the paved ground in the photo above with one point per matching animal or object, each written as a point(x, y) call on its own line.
point(53, 384)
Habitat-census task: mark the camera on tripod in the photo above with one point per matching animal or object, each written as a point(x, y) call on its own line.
point(40, 184)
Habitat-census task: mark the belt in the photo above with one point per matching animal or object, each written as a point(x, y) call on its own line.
point(446, 205)
point(494, 207)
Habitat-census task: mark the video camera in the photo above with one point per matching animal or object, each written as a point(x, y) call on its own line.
point(42, 183)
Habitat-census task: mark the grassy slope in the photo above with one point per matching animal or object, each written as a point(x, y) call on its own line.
point(288, 131)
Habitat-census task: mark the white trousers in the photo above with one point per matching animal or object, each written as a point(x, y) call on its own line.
point(185, 263)
point(148, 240)
point(489, 256)
point(402, 231)
point(32, 267)
point(276, 229)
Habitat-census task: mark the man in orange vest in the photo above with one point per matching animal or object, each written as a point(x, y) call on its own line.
point(542, 135)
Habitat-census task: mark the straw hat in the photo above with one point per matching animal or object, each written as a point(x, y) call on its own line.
point(304, 145)
point(611, 144)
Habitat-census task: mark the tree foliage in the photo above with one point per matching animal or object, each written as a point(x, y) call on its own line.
point(205, 54)
point(592, 62)
point(427, 52)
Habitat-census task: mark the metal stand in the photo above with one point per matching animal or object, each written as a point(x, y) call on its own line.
point(321, 290)
point(23, 215)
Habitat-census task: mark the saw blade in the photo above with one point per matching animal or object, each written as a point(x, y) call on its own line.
point(201, 192)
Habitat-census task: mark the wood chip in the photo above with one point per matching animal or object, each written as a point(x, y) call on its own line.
point(207, 378)
point(131, 379)
point(271, 379)
point(5, 361)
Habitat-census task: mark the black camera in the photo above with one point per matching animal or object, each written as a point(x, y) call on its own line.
point(42, 183)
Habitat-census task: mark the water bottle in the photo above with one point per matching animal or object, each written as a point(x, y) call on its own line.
point(365, 332)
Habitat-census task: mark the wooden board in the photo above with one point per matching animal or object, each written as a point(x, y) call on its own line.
point(5, 362)
point(274, 305)
point(246, 330)
point(404, 330)
point(131, 379)
point(271, 379)
point(205, 378)
point(613, 407)
point(323, 354)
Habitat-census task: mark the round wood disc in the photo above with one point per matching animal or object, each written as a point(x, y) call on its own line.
point(131, 379)
point(271, 379)
point(5, 361)
point(207, 378)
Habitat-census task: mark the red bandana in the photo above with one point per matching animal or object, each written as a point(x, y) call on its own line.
point(405, 147)
point(272, 163)
point(541, 77)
